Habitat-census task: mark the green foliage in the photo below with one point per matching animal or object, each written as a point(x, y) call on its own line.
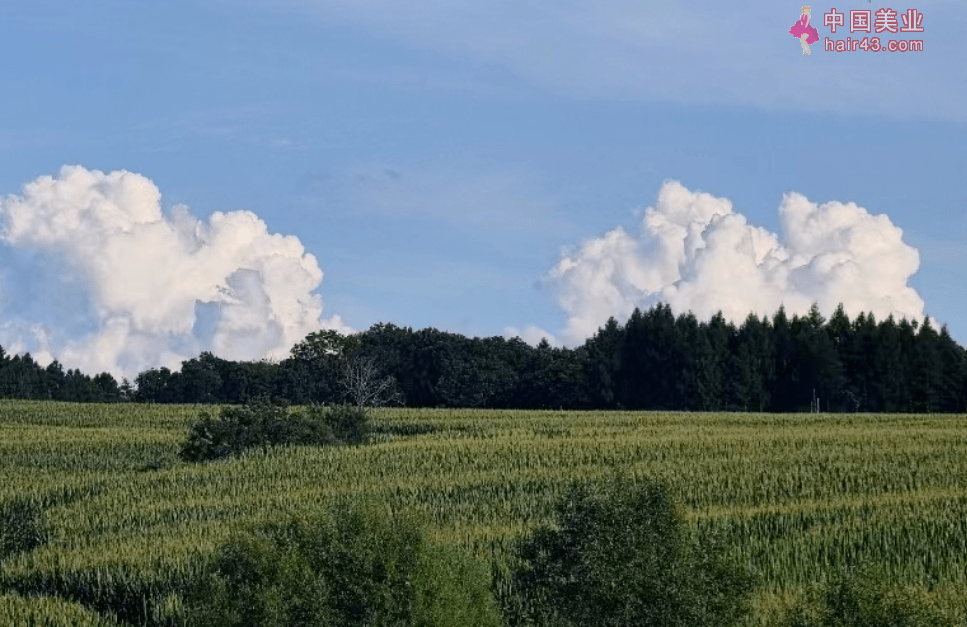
point(864, 598)
point(262, 424)
point(620, 557)
point(326, 344)
point(258, 580)
point(361, 567)
point(655, 361)
point(349, 424)
point(23, 526)
point(452, 591)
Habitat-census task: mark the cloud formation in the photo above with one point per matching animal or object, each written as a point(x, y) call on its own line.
point(97, 276)
point(697, 254)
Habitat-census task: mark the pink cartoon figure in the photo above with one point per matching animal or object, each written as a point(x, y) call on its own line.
point(805, 33)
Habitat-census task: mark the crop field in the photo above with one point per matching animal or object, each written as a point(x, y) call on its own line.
point(798, 496)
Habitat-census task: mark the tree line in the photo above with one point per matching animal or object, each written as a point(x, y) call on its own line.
point(654, 361)
point(22, 377)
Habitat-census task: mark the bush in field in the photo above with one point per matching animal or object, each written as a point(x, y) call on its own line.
point(262, 424)
point(359, 568)
point(349, 424)
point(23, 526)
point(864, 598)
point(256, 580)
point(618, 557)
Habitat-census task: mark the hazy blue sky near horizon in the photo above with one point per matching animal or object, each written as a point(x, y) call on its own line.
point(448, 162)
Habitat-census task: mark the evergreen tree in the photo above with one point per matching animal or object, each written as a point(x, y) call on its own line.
point(927, 370)
point(756, 363)
point(819, 365)
point(785, 388)
point(953, 366)
point(56, 381)
point(860, 364)
point(603, 365)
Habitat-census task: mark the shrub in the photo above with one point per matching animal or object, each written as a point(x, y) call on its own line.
point(864, 598)
point(360, 567)
point(619, 557)
point(23, 526)
point(256, 580)
point(453, 591)
point(349, 424)
point(262, 424)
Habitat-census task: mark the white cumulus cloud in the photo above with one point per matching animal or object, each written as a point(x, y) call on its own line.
point(96, 275)
point(697, 254)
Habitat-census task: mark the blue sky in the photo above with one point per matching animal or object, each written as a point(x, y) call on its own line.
point(440, 159)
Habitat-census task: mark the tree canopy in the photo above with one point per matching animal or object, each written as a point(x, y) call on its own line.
point(655, 360)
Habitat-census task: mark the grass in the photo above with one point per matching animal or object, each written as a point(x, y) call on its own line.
point(801, 495)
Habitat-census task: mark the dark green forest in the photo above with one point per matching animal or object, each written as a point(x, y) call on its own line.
point(653, 361)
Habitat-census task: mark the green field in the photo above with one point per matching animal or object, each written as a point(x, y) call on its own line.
point(799, 495)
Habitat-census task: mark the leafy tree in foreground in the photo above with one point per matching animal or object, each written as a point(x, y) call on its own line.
point(619, 557)
point(359, 567)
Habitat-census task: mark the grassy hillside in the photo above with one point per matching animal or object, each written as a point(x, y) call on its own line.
point(800, 495)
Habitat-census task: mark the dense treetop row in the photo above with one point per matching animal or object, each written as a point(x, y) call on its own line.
point(653, 361)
